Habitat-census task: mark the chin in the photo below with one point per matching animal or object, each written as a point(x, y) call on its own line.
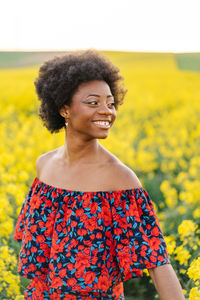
point(99, 135)
point(103, 136)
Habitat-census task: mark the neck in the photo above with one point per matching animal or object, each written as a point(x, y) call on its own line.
point(76, 150)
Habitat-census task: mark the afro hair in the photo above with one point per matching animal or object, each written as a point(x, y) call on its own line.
point(60, 77)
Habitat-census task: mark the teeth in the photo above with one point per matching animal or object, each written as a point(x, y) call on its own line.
point(102, 123)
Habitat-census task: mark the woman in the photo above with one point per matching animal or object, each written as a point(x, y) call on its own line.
point(87, 224)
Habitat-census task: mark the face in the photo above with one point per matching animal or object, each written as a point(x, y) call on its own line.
point(92, 103)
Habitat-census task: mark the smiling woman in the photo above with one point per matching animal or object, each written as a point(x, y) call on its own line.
point(87, 224)
point(84, 113)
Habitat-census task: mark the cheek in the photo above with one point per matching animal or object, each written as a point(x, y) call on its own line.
point(80, 115)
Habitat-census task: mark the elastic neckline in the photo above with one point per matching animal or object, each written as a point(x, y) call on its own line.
point(85, 192)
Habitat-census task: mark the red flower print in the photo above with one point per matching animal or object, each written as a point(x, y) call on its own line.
point(82, 232)
point(32, 267)
point(148, 226)
point(155, 231)
point(62, 273)
point(103, 283)
point(79, 212)
point(106, 215)
point(41, 224)
point(118, 231)
point(71, 282)
point(86, 243)
point(82, 261)
point(45, 248)
point(144, 247)
point(153, 258)
point(154, 243)
point(28, 237)
point(161, 258)
point(143, 253)
point(41, 259)
point(33, 228)
point(91, 224)
point(33, 249)
point(89, 277)
point(55, 296)
point(86, 200)
point(54, 194)
point(93, 207)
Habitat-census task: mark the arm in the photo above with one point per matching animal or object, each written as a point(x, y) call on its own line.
point(163, 277)
point(166, 282)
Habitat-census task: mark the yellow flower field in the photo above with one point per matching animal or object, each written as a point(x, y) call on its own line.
point(156, 134)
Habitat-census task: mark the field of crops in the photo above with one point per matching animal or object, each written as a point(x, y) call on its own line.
point(156, 134)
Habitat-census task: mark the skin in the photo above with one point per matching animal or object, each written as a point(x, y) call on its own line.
point(82, 153)
point(166, 282)
point(81, 131)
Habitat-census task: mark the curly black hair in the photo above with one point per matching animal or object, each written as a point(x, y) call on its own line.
point(60, 77)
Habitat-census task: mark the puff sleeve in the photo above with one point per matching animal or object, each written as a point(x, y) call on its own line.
point(137, 236)
point(20, 225)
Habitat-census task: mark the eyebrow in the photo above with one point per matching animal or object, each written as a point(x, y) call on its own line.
point(98, 95)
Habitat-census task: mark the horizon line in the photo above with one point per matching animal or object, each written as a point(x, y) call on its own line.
point(92, 48)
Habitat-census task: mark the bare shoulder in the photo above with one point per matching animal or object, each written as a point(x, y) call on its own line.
point(125, 177)
point(122, 175)
point(42, 160)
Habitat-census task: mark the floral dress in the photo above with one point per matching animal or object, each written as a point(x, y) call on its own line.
point(83, 245)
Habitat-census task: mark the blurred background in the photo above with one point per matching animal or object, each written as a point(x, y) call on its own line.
point(156, 45)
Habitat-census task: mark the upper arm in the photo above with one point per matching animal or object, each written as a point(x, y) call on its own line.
point(166, 282)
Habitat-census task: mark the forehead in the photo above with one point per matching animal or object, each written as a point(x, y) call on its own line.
point(99, 87)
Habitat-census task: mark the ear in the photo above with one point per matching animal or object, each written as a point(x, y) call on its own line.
point(64, 111)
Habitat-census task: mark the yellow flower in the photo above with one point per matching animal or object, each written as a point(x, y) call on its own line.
point(184, 291)
point(19, 297)
point(182, 271)
point(194, 294)
point(182, 209)
point(186, 228)
point(165, 186)
point(146, 272)
point(171, 244)
point(171, 197)
point(194, 269)
point(197, 282)
point(196, 213)
point(182, 255)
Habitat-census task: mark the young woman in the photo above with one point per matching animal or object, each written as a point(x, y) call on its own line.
point(87, 224)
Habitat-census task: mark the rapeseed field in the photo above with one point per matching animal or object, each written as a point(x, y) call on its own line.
point(156, 134)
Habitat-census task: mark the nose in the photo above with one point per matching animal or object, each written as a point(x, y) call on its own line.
point(104, 109)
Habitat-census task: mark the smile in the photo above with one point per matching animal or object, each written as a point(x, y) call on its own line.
point(102, 124)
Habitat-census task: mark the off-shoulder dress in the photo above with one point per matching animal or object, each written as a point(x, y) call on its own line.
point(83, 245)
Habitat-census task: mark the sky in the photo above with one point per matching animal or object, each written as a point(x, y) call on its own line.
point(126, 25)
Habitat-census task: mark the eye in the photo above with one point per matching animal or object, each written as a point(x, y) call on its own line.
point(113, 103)
point(91, 102)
